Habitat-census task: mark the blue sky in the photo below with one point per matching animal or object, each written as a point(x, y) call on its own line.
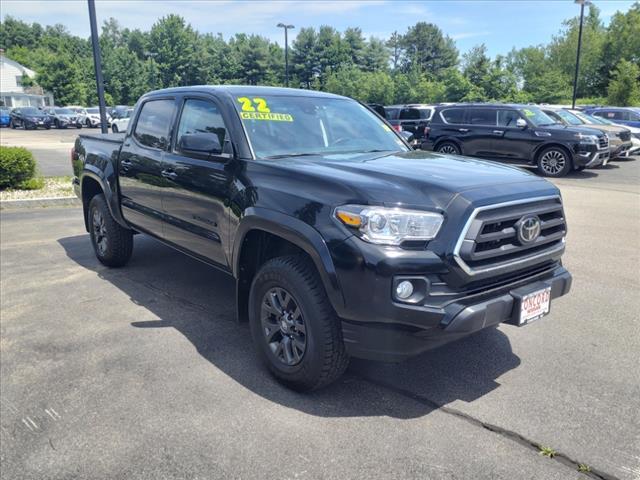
point(500, 24)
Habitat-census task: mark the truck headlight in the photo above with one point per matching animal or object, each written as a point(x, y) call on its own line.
point(390, 226)
point(590, 139)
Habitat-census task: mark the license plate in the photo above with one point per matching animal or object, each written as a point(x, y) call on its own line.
point(535, 305)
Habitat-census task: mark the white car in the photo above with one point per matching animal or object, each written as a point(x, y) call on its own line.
point(92, 118)
point(121, 124)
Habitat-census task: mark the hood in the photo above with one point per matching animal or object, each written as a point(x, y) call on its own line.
point(571, 130)
point(417, 178)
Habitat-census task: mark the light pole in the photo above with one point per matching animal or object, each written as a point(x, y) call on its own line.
point(97, 65)
point(582, 3)
point(286, 52)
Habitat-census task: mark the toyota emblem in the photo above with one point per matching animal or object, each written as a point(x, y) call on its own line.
point(528, 229)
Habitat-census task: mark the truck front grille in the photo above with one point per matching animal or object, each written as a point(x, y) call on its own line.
point(522, 232)
point(603, 141)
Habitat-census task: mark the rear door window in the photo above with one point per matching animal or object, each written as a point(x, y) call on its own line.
point(483, 116)
point(410, 114)
point(453, 115)
point(154, 122)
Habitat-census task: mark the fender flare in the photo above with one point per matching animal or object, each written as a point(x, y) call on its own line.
point(94, 173)
point(298, 233)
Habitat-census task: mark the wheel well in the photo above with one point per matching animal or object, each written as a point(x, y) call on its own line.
point(90, 188)
point(258, 246)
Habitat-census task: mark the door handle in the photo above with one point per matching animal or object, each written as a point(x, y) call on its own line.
point(498, 132)
point(463, 130)
point(170, 174)
point(125, 164)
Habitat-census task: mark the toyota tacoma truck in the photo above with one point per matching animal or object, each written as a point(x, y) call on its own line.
point(343, 241)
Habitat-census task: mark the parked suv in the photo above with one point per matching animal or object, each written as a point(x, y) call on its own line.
point(63, 117)
point(619, 137)
point(620, 115)
point(412, 118)
point(517, 134)
point(342, 240)
point(29, 117)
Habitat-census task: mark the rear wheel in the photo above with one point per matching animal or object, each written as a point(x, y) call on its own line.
point(554, 162)
point(449, 148)
point(295, 330)
point(112, 243)
point(114, 128)
point(12, 124)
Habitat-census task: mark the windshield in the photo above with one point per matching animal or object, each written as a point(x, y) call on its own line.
point(93, 110)
point(584, 118)
point(537, 117)
point(30, 111)
point(569, 117)
point(279, 126)
point(64, 111)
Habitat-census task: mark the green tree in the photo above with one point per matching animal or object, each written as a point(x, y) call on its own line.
point(427, 48)
point(622, 40)
point(476, 64)
point(303, 56)
point(61, 76)
point(376, 56)
point(624, 88)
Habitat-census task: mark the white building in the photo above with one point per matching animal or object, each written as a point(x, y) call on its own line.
point(12, 93)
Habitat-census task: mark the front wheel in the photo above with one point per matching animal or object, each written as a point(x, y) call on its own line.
point(449, 148)
point(112, 243)
point(295, 330)
point(554, 162)
point(12, 124)
point(114, 128)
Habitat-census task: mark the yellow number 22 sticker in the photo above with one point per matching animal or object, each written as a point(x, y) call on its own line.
point(256, 109)
point(248, 105)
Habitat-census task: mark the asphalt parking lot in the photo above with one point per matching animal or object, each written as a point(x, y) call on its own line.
point(142, 372)
point(50, 148)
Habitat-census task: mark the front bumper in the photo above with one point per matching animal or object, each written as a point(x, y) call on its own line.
point(435, 326)
point(590, 156)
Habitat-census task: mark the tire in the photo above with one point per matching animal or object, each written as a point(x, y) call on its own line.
point(112, 243)
point(12, 124)
point(114, 128)
point(48, 127)
point(314, 354)
point(554, 162)
point(449, 148)
point(57, 124)
point(79, 126)
point(87, 123)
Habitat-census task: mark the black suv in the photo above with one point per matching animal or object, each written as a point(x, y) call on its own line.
point(519, 134)
point(29, 117)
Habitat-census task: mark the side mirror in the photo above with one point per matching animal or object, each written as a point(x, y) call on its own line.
point(408, 136)
point(202, 143)
point(521, 123)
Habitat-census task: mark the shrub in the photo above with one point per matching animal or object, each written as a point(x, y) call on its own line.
point(17, 166)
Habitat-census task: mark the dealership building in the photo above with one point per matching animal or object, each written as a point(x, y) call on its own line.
point(13, 93)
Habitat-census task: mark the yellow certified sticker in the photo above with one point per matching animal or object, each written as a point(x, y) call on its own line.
point(529, 113)
point(255, 104)
point(276, 117)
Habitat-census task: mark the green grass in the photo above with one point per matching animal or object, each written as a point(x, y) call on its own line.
point(547, 452)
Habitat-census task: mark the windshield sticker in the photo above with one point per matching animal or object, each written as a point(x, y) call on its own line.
point(276, 117)
point(528, 113)
point(256, 109)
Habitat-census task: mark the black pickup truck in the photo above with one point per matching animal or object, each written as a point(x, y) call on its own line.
point(342, 240)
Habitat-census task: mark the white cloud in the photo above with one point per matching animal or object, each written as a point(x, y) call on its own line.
point(463, 35)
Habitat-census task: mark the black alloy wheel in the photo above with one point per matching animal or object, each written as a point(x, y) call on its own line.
point(283, 326)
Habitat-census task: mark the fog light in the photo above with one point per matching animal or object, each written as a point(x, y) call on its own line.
point(404, 290)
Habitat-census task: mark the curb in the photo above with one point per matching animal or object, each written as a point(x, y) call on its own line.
point(40, 203)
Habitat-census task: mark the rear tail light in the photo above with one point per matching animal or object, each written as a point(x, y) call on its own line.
point(397, 128)
point(426, 132)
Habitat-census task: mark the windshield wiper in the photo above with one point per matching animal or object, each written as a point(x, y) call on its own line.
point(285, 155)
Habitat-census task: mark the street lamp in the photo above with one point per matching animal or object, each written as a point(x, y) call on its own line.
point(97, 65)
point(286, 52)
point(582, 3)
